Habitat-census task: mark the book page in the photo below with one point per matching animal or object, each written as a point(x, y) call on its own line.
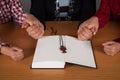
point(48, 54)
point(79, 52)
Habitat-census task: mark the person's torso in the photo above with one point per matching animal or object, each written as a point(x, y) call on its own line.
point(115, 9)
point(63, 9)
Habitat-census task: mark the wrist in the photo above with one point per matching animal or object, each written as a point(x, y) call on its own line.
point(3, 44)
point(5, 50)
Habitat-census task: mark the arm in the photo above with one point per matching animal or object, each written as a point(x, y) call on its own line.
point(33, 26)
point(17, 11)
point(88, 28)
point(88, 8)
point(14, 52)
point(103, 13)
point(38, 9)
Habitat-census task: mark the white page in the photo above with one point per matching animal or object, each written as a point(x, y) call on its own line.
point(47, 53)
point(79, 52)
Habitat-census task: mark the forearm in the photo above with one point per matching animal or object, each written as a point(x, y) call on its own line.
point(103, 13)
point(38, 10)
point(87, 11)
point(40, 17)
point(17, 11)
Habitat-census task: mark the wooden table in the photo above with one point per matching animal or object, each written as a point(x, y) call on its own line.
point(108, 67)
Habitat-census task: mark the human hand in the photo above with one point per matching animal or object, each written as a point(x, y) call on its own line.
point(111, 47)
point(33, 26)
point(35, 32)
point(14, 52)
point(88, 28)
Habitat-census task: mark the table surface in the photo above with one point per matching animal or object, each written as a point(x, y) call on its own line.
point(108, 67)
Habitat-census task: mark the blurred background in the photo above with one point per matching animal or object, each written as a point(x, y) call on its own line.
point(26, 4)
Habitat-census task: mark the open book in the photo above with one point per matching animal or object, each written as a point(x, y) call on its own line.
point(48, 53)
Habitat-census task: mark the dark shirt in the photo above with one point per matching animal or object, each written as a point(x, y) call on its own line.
point(44, 10)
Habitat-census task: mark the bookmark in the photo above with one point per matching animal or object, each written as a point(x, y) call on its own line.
point(62, 47)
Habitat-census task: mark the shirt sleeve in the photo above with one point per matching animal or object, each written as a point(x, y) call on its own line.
point(17, 11)
point(103, 13)
point(87, 11)
point(117, 40)
point(38, 9)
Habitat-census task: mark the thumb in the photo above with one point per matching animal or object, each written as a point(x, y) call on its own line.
point(30, 23)
point(17, 49)
point(93, 29)
point(107, 43)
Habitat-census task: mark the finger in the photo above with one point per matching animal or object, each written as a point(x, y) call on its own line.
point(107, 51)
point(85, 33)
point(25, 25)
point(110, 50)
point(92, 28)
point(80, 34)
point(81, 37)
point(34, 30)
point(81, 26)
point(41, 33)
point(87, 29)
point(17, 57)
point(108, 43)
point(38, 35)
point(30, 29)
point(37, 31)
point(17, 49)
point(81, 30)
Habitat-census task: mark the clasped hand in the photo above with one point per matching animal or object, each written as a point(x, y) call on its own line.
point(33, 26)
